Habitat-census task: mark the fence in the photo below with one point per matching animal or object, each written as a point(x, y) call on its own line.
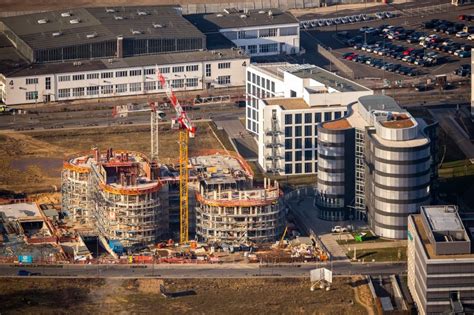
point(335, 61)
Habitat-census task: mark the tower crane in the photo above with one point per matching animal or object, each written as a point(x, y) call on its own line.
point(187, 130)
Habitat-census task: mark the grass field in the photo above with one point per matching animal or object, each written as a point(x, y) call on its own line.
point(205, 296)
point(380, 254)
point(32, 161)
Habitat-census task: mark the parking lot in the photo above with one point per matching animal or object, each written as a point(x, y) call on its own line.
point(379, 48)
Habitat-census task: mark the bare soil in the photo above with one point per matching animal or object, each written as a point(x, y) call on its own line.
point(192, 296)
point(31, 161)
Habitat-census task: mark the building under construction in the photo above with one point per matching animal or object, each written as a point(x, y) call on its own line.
point(229, 207)
point(120, 192)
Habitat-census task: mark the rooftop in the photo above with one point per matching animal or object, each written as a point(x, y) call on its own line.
point(443, 218)
point(129, 62)
point(21, 211)
point(337, 124)
point(233, 18)
point(379, 102)
point(398, 121)
point(288, 103)
point(72, 27)
point(219, 169)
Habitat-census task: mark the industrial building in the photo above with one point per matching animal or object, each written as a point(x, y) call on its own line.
point(440, 261)
point(257, 32)
point(285, 104)
point(119, 193)
point(107, 52)
point(378, 163)
point(229, 207)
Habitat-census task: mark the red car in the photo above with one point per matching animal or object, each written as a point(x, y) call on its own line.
point(408, 51)
point(351, 57)
point(462, 17)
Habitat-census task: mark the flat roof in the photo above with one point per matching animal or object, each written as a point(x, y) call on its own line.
point(21, 211)
point(129, 62)
point(232, 18)
point(337, 124)
point(288, 103)
point(398, 121)
point(105, 25)
point(443, 218)
point(380, 102)
point(329, 79)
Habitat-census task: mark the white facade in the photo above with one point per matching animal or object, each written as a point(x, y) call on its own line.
point(80, 82)
point(285, 103)
point(265, 40)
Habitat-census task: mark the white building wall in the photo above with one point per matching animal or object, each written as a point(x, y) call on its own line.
point(255, 43)
point(16, 90)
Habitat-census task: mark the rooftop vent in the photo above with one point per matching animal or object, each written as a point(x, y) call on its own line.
point(243, 16)
point(261, 12)
point(66, 14)
point(56, 34)
point(157, 25)
point(43, 21)
point(142, 13)
point(219, 15)
point(93, 35)
point(270, 13)
point(75, 21)
point(109, 10)
point(136, 32)
point(77, 63)
point(118, 17)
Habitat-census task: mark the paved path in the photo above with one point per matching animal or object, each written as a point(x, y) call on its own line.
point(240, 138)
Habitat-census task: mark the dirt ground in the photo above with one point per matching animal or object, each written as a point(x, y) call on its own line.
point(32, 161)
point(192, 296)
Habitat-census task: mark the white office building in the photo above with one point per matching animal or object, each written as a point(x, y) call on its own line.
point(285, 104)
point(100, 78)
point(257, 32)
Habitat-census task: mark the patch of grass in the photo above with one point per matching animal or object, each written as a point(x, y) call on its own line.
point(223, 137)
point(458, 168)
point(380, 254)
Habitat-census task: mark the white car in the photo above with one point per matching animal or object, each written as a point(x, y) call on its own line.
point(462, 34)
point(338, 229)
point(471, 37)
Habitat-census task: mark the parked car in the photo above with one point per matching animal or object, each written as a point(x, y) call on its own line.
point(423, 87)
point(463, 70)
point(464, 54)
point(462, 34)
point(338, 229)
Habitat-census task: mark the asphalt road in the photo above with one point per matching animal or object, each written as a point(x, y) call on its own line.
point(204, 271)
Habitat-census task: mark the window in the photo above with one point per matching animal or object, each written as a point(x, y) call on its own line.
point(308, 131)
point(298, 131)
point(191, 68)
point(345, 113)
point(269, 32)
point(79, 91)
point(292, 93)
point(258, 80)
point(192, 82)
point(31, 96)
point(134, 73)
point(337, 115)
point(288, 131)
point(268, 48)
point(252, 49)
point(297, 118)
point(288, 156)
point(327, 116)
point(298, 155)
point(273, 87)
point(93, 90)
point(149, 86)
point(223, 80)
point(288, 143)
point(107, 75)
point(298, 168)
point(107, 89)
point(31, 81)
point(62, 93)
point(288, 119)
point(164, 70)
point(223, 65)
point(288, 168)
point(149, 71)
point(317, 117)
point(308, 154)
point(241, 34)
point(92, 76)
point(121, 74)
point(249, 76)
point(308, 168)
point(178, 69)
point(135, 87)
point(287, 31)
point(121, 88)
point(208, 70)
point(308, 118)
point(78, 77)
point(64, 78)
point(178, 83)
point(298, 143)
point(47, 83)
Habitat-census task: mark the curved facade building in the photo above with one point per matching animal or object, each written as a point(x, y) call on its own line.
point(378, 163)
point(119, 193)
point(228, 206)
point(335, 160)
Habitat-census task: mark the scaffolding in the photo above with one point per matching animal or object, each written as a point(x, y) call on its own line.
point(274, 145)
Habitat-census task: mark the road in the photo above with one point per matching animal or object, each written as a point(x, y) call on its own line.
point(204, 271)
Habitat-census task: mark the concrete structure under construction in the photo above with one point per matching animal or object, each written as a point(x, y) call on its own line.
point(119, 193)
point(378, 163)
point(441, 261)
point(229, 208)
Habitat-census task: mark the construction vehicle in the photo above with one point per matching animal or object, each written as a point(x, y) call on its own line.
point(187, 130)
